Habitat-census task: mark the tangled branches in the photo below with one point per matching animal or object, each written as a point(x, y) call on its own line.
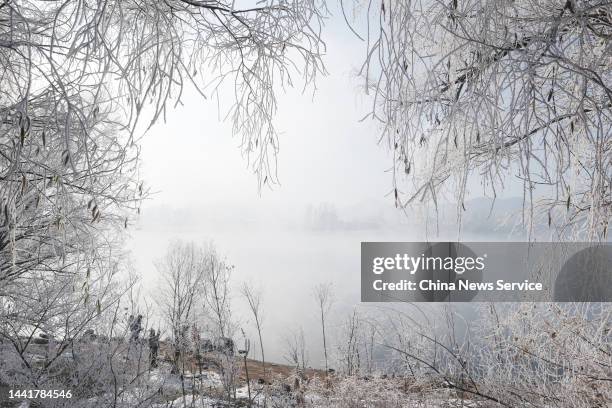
point(78, 77)
point(491, 88)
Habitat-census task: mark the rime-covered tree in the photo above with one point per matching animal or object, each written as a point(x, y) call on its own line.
point(491, 90)
point(80, 80)
point(323, 296)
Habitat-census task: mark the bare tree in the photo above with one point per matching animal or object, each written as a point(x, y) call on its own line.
point(355, 344)
point(217, 301)
point(253, 298)
point(370, 340)
point(218, 311)
point(350, 345)
point(486, 89)
point(195, 293)
point(183, 271)
point(323, 297)
point(296, 352)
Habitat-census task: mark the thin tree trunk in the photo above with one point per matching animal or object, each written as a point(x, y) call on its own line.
point(248, 381)
point(324, 341)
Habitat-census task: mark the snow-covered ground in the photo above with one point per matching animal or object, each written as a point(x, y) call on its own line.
point(160, 388)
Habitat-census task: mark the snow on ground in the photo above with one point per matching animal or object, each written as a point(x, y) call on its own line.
point(190, 401)
point(173, 384)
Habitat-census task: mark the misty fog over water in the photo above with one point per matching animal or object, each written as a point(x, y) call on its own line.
point(335, 191)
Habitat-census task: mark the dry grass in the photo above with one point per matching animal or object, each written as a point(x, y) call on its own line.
point(210, 361)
